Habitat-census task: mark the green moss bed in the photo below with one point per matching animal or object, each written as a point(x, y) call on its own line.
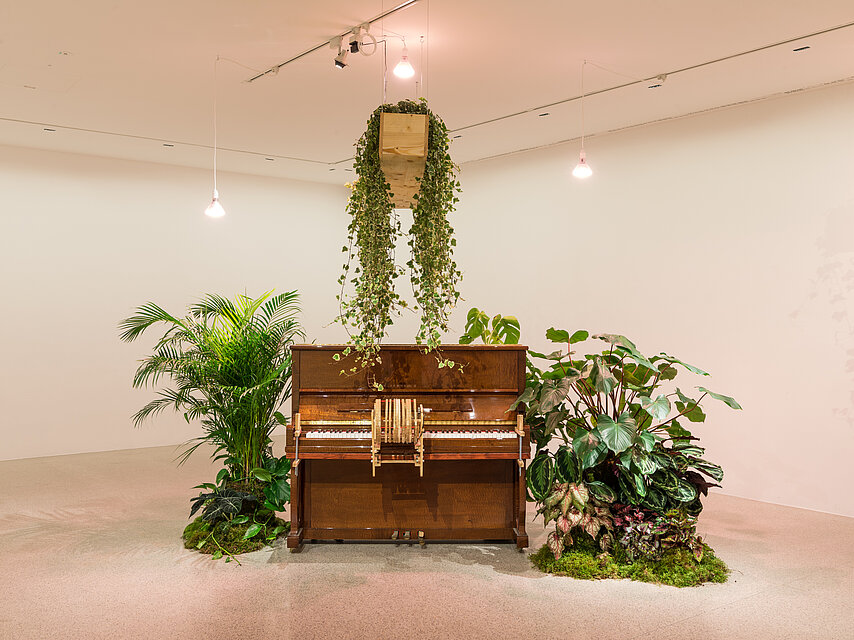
point(225, 536)
point(677, 567)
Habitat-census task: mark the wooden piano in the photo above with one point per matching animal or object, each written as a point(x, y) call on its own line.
point(436, 455)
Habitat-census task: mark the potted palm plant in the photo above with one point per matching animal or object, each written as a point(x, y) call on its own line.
point(230, 365)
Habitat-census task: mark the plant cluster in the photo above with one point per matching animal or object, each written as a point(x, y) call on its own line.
point(676, 566)
point(231, 522)
point(373, 232)
point(230, 363)
point(615, 459)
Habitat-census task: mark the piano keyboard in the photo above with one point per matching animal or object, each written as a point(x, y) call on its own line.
point(364, 434)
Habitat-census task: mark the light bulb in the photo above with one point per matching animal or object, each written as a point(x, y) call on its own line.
point(582, 169)
point(403, 68)
point(215, 209)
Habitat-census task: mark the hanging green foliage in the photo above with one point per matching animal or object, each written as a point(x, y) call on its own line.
point(374, 228)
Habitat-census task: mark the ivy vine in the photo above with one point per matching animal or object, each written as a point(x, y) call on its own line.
point(374, 228)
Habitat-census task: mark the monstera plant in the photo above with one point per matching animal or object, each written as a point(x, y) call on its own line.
point(612, 430)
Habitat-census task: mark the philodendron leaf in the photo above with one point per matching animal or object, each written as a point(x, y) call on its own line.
point(658, 409)
point(579, 336)
point(730, 402)
point(262, 474)
point(527, 395)
point(553, 419)
point(589, 447)
point(645, 440)
point(252, 531)
point(672, 359)
point(557, 335)
point(281, 419)
point(602, 378)
point(675, 430)
point(553, 393)
point(616, 340)
point(638, 357)
point(617, 435)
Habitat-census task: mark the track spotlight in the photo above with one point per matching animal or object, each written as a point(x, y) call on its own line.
point(341, 59)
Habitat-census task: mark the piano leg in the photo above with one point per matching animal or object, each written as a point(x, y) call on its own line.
point(519, 533)
point(295, 535)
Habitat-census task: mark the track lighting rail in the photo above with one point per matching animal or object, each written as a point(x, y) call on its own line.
point(275, 68)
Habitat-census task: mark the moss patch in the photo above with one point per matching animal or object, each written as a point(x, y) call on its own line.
point(677, 567)
point(225, 536)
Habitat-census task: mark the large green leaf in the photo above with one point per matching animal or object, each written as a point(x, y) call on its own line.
point(644, 463)
point(645, 440)
point(527, 395)
point(578, 336)
point(540, 476)
point(675, 430)
point(507, 329)
point(557, 335)
point(601, 491)
point(601, 377)
point(589, 447)
point(712, 470)
point(675, 360)
point(658, 409)
point(616, 340)
point(730, 402)
point(252, 531)
point(566, 464)
point(553, 393)
point(617, 435)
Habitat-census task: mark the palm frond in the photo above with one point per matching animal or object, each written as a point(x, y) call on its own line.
point(146, 315)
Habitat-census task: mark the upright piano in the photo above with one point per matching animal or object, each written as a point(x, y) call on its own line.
point(436, 454)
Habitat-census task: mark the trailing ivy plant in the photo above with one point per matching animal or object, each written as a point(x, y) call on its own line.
point(374, 228)
point(622, 439)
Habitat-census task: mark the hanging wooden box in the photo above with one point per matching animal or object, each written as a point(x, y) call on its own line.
point(403, 153)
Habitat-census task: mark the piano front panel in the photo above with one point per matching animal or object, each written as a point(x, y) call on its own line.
point(472, 487)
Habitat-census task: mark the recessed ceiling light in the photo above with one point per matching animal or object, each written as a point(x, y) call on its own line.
point(332, 168)
point(543, 115)
point(168, 144)
point(459, 135)
point(801, 48)
point(48, 129)
point(270, 159)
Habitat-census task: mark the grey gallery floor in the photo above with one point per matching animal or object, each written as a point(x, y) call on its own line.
point(90, 549)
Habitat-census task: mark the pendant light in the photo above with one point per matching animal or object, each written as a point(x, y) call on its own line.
point(215, 209)
point(582, 169)
point(404, 69)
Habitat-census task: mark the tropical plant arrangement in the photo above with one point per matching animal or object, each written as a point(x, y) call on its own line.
point(373, 231)
point(230, 365)
point(616, 468)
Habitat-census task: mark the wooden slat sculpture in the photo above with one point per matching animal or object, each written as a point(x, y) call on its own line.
point(397, 433)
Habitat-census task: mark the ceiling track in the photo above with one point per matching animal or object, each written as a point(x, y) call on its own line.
point(275, 68)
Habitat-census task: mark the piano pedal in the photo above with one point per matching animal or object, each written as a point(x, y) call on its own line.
point(421, 540)
point(394, 534)
point(406, 535)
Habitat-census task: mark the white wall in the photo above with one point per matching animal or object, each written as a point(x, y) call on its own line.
point(726, 239)
point(84, 240)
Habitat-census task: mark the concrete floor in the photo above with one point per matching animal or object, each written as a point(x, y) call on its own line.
point(90, 548)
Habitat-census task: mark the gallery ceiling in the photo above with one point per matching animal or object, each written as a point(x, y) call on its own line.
point(126, 80)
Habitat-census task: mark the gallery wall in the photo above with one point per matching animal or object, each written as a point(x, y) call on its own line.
point(725, 238)
point(84, 240)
